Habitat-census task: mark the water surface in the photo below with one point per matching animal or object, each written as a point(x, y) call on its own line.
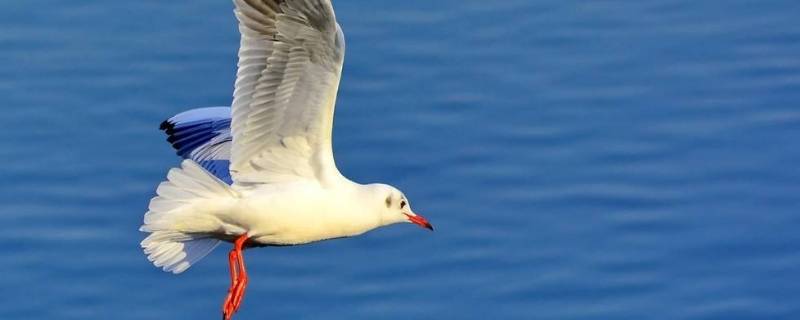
point(580, 160)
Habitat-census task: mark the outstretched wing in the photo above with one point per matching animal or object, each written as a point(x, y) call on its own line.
point(290, 62)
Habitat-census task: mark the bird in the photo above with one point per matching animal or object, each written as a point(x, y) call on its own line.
point(261, 172)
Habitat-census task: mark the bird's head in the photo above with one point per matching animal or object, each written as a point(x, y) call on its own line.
point(395, 207)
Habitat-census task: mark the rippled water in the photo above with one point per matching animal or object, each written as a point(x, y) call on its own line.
point(580, 159)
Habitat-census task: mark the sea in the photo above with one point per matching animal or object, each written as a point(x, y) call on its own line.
point(579, 160)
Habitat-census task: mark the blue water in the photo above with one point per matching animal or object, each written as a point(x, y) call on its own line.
point(580, 160)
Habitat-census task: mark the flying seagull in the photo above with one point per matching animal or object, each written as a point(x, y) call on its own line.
point(262, 172)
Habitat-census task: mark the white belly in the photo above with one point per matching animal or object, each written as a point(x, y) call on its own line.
point(298, 213)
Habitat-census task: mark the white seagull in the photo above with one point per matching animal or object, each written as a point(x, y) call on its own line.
point(262, 173)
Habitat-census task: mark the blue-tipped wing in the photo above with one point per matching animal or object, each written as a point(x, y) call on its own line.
point(203, 135)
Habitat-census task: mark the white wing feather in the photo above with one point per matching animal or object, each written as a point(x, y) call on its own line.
point(290, 62)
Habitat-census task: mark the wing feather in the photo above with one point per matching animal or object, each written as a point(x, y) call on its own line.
point(290, 63)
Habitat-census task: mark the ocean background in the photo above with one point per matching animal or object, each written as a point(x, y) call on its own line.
point(579, 159)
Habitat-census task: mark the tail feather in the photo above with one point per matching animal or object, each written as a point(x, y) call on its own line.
point(178, 220)
point(175, 252)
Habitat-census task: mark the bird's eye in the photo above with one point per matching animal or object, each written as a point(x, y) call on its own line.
point(402, 204)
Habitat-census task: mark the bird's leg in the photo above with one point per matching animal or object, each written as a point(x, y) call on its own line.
point(227, 307)
point(243, 279)
point(238, 279)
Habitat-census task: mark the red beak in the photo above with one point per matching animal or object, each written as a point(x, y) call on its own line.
point(420, 221)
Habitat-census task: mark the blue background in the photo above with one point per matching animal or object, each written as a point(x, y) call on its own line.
point(580, 160)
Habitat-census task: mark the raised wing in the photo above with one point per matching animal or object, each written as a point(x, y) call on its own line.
point(290, 62)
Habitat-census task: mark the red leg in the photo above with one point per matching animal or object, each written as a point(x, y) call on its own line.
point(243, 279)
point(238, 279)
point(227, 311)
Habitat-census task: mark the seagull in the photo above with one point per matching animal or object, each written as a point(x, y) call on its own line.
point(262, 173)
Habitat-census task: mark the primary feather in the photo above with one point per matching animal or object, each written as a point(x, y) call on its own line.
point(203, 135)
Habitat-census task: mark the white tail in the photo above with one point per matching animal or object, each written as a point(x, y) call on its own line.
point(180, 219)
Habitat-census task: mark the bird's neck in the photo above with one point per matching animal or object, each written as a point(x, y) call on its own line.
point(356, 204)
